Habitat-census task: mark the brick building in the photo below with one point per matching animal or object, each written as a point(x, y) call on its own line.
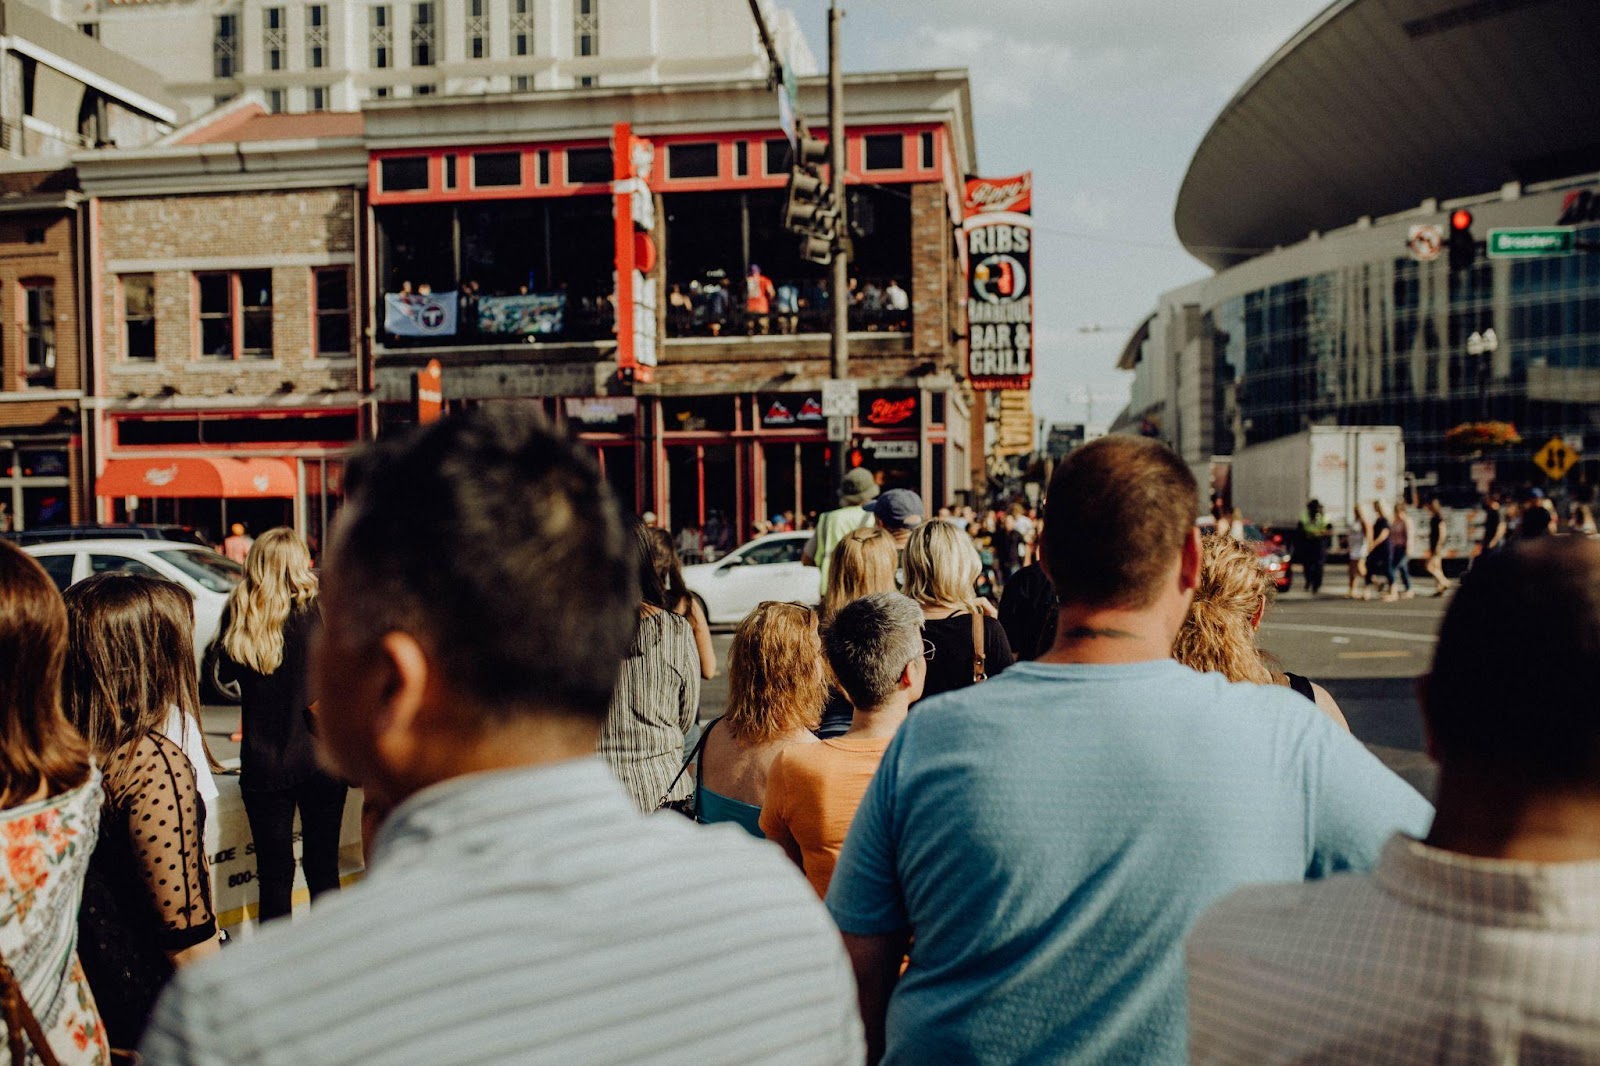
point(223, 274)
point(493, 251)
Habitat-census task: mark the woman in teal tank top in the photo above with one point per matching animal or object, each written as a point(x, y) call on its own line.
point(775, 697)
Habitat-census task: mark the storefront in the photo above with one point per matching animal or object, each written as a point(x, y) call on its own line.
point(35, 483)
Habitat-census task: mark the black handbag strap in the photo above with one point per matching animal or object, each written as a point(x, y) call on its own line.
point(694, 755)
point(21, 1020)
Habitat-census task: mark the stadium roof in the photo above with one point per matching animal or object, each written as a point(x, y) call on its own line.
point(1377, 105)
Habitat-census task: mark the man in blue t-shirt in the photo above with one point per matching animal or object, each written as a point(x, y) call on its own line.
point(1043, 842)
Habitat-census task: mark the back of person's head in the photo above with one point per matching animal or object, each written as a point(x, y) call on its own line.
point(868, 644)
point(124, 673)
point(1119, 512)
point(862, 563)
point(1536, 522)
point(668, 569)
point(775, 675)
point(941, 566)
point(1218, 634)
point(498, 547)
point(277, 581)
point(237, 529)
point(643, 541)
point(173, 607)
point(1515, 671)
point(37, 745)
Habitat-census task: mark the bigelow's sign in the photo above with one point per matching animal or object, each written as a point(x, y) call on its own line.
point(997, 225)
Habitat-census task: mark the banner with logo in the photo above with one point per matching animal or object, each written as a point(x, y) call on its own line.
point(536, 314)
point(997, 225)
point(410, 314)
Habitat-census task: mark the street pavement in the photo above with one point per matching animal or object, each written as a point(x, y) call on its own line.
point(1368, 654)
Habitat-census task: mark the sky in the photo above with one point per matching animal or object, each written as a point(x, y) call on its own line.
point(1105, 101)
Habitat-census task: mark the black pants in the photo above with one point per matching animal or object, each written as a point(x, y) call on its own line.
point(1314, 564)
point(271, 814)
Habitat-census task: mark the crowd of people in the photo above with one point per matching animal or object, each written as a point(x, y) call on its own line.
point(1102, 827)
point(717, 305)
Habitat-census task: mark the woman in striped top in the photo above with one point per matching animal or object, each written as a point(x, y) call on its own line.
point(657, 697)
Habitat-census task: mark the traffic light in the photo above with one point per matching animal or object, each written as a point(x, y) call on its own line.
point(1463, 245)
point(810, 211)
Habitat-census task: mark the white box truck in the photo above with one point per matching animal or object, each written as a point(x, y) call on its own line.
point(1336, 465)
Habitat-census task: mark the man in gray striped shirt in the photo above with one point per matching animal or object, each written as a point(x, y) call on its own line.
point(476, 602)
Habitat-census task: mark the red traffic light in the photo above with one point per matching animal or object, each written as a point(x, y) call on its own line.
point(1461, 219)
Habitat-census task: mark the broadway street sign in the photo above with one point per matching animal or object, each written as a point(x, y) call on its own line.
point(1526, 243)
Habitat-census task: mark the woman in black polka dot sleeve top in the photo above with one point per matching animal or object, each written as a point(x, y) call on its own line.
point(147, 899)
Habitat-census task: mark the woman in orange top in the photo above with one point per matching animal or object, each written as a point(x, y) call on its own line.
point(877, 652)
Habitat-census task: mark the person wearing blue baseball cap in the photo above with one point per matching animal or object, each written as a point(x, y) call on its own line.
point(899, 511)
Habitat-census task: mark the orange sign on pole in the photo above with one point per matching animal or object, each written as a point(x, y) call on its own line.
point(430, 392)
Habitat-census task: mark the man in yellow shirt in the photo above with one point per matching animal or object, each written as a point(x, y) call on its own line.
point(877, 652)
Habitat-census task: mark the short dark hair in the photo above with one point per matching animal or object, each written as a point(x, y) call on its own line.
point(1118, 512)
point(868, 643)
point(1517, 665)
point(497, 544)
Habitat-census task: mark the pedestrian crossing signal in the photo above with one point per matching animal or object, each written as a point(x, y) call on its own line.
point(1555, 458)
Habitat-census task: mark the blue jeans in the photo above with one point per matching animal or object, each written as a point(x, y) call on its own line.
point(1399, 567)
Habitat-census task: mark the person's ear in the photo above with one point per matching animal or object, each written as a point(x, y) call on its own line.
point(397, 738)
point(1041, 552)
point(1258, 614)
point(1190, 563)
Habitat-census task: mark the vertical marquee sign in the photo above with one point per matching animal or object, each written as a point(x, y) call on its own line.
point(997, 223)
point(634, 214)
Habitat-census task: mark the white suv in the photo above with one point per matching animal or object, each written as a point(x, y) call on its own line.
point(209, 576)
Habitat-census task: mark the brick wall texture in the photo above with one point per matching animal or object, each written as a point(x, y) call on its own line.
point(171, 233)
point(37, 248)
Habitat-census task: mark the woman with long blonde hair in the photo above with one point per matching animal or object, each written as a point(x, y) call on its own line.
point(266, 639)
point(861, 564)
point(941, 570)
point(1219, 632)
point(775, 694)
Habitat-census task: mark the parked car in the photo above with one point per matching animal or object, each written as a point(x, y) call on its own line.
point(54, 534)
point(767, 568)
point(209, 576)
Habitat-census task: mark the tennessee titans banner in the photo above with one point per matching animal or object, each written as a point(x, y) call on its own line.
point(420, 315)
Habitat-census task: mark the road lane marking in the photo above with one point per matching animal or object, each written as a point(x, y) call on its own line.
point(1399, 653)
point(1349, 631)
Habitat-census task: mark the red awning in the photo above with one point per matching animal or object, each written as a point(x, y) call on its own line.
point(223, 477)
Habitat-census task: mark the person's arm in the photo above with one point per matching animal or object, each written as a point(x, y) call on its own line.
point(170, 858)
point(1355, 802)
point(688, 660)
point(998, 650)
point(808, 554)
point(1329, 706)
point(876, 961)
point(702, 640)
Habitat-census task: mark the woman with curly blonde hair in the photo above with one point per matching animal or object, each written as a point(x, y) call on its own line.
point(1219, 633)
point(266, 638)
point(775, 696)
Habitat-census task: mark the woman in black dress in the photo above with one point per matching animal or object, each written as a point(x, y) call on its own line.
point(941, 568)
point(265, 640)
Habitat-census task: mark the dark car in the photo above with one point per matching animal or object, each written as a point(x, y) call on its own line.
point(55, 534)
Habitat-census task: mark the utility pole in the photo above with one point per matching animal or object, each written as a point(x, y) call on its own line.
point(840, 349)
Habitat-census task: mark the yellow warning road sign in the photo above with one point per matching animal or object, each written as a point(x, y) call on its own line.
point(1555, 458)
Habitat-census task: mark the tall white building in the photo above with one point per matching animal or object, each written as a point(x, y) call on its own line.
point(321, 55)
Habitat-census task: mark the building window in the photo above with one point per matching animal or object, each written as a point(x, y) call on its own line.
point(588, 165)
point(521, 83)
point(884, 151)
point(382, 92)
point(544, 166)
point(588, 81)
point(224, 46)
point(424, 39)
point(273, 37)
point(138, 316)
point(380, 37)
point(691, 161)
point(586, 27)
point(332, 295)
point(741, 159)
point(778, 156)
point(449, 171)
point(477, 30)
point(405, 174)
point(235, 314)
point(521, 27)
point(926, 140)
point(39, 332)
point(90, 29)
point(275, 100)
point(317, 98)
point(424, 90)
point(316, 36)
point(492, 169)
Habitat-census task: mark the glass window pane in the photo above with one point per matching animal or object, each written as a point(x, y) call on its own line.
point(106, 564)
point(333, 334)
point(692, 161)
point(216, 337)
point(333, 290)
point(214, 294)
point(255, 288)
point(258, 333)
point(884, 151)
point(411, 174)
point(778, 156)
point(587, 165)
point(59, 567)
point(497, 168)
point(210, 570)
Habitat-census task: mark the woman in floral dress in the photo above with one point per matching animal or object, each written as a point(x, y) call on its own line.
point(49, 815)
